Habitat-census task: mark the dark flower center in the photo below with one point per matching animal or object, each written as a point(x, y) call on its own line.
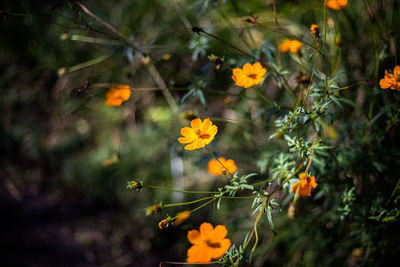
point(202, 135)
point(252, 76)
point(213, 245)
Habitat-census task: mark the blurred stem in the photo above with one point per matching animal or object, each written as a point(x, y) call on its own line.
point(263, 207)
point(394, 192)
point(179, 191)
point(265, 99)
point(95, 40)
point(347, 87)
point(88, 63)
point(277, 33)
point(164, 89)
point(311, 78)
point(323, 47)
point(238, 121)
point(312, 153)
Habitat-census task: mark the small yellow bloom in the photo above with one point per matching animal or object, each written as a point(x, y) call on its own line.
point(303, 187)
point(249, 75)
point(314, 29)
point(208, 243)
point(391, 81)
point(336, 4)
point(214, 167)
point(287, 45)
point(153, 209)
point(183, 215)
point(118, 94)
point(200, 134)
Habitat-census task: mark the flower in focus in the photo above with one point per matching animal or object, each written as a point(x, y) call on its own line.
point(314, 29)
point(287, 45)
point(182, 216)
point(208, 243)
point(118, 94)
point(214, 167)
point(249, 75)
point(391, 80)
point(336, 4)
point(303, 187)
point(200, 134)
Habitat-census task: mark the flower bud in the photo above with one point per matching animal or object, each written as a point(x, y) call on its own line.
point(136, 185)
point(153, 209)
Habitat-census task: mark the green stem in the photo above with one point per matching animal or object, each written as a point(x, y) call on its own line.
point(179, 191)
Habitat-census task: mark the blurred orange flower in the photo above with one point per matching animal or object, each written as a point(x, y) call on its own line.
point(209, 243)
point(249, 75)
point(198, 135)
point(216, 168)
point(118, 94)
point(287, 45)
point(305, 184)
point(183, 215)
point(336, 4)
point(391, 80)
point(314, 29)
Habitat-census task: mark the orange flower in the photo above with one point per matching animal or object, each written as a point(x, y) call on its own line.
point(391, 80)
point(249, 75)
point(336, 4)
point(118, 94)
point(199, 135)
point(314, 30)
point(305, 184)
point(209, 243)
point(290, 45)
point(216, 168)
point(183, 215)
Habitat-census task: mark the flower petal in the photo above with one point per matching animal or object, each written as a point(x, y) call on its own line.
point(187, 132)
point(194, 237)
point(219, 233)
point(199, 254)
point(196, 124)
point(225, 244)
point(206, 230)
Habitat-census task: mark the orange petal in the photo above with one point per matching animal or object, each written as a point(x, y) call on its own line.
point(196, 123)
point(194, 237)
point(185, 140)
point(225, 244)
point(206, 230)
point(247, 68)
point(199, 254)
point(206, 124)
point(219, 233)
point(187, 132)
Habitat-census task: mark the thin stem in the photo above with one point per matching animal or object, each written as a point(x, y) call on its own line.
point(347, 87)
point(312, 153)
point(179, 191)
point(188, 203)
point(277, 33)
point(394, 192)
point(265, 99)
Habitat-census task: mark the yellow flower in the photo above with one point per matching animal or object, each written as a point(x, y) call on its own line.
point(336, 4)
point(118, 94)
point(287, 45)
point(216, 168)
point(198, 135)
point(183, 215)
point(314, 29)
point(249, 75)
point(391, 80)
point(208, 243)
point(303, 187)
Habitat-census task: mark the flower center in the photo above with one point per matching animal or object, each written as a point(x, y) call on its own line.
point(213, 245)
point(202, 135)
point(252, 76)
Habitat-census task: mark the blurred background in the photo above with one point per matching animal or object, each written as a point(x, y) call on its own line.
point(66, 157)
